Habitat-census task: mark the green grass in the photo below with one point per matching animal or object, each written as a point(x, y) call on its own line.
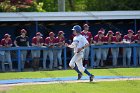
point(65, 73)
point(98, 87)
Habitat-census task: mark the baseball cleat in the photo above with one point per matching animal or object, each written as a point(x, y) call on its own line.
point(79, 76)
point(91, 78)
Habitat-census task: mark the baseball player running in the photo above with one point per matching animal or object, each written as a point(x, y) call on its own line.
point(79, 44)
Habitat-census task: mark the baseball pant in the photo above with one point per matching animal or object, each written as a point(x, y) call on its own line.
point(77, 58)
point(6, 58)
point(50, 54)
point(127, 54)
point(98, 56)
point(115, 53)
point(138, 56)
point(57, 55)
point(23, 58)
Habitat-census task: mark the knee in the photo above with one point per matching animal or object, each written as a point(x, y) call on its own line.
point(71, 65)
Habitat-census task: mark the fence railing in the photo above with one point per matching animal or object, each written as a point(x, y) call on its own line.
point(133, 46)
point(19, 49)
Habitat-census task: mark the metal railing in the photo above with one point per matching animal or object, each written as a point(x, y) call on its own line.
point(133, 46)
point(19, 49)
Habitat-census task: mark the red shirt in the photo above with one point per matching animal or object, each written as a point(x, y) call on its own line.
point(115, 39)
point(137, 37)
point(37, 41)
point(5, 43)
point(87, 35)
point(59, 40)
point(129, 39)
point(96, 38)
point(48, 40)
point(108, 39)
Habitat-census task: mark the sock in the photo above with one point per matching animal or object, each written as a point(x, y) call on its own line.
point(77, 70)
point(86, 71)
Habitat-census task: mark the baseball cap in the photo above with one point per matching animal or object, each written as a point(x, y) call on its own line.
point(23, 31)
point(130, 31)
point(51, 34)
point(6, 35)
point(85, 25)
point(60, 32)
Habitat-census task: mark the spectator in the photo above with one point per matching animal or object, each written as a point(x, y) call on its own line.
point(98, 40)
point(137, 39)
point(127, 51)
point(22, 41)
point(87, 34)
point(6, 42)
point(50, 43)
point(115, 51)
point(60, 40)
point(37, 41)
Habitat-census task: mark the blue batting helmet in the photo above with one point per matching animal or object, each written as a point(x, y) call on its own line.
point(77, 28)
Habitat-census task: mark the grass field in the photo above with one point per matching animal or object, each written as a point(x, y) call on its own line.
point(65, 73)
point(97, 87)
point(129, 86)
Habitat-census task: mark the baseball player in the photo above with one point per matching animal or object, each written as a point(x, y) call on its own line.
point(60, 40)
point(128, 39)
point(98, 40)
point(37, 41)
point(107, 39)
point(22, 41)
point(79, 44)
point(137, 39)
point(7, 43)
point(87, 34)
point(115, 51)
point(50, 43)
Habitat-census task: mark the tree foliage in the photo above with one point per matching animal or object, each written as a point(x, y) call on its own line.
point(71, 5)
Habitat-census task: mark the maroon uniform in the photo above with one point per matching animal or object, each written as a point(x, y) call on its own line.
point(109, 39)
point(131, 39)
point(60, 41)
point(5, 42)
point(50, 42)
point(87, 35)
point(37, 41)
point(115, 39)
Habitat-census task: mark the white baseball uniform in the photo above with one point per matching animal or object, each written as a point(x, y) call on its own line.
point(78, 42)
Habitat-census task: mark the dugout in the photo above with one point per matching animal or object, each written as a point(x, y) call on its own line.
point(54, 21)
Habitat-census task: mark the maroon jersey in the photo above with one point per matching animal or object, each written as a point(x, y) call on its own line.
point(108, 39)
point(131, 39)
point(97, 39)
point(5, 42)
point(37, 41)
point(50, 41)
point(87, 35)
point(137, 37)
point(115, 39)
point(60, 40)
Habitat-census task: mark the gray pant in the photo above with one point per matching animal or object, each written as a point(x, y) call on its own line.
point(6, 58)
point(127, 54)
point(86, 53)
point(35, 53)
point(115, 53)
point(138, 55)
point(57, 55)
point(23, 58)
point(50, 54)
point(97, 53)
